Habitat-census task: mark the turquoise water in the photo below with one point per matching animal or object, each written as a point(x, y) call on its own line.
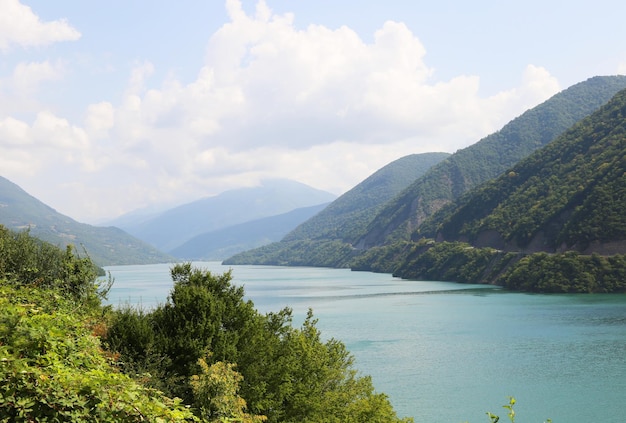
point(446, 352)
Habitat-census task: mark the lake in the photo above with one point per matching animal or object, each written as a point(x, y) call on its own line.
point(445, 352)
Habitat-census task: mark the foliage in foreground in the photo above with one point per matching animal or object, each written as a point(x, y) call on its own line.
point(52, 367)
point(289, 374)
point(206, 355)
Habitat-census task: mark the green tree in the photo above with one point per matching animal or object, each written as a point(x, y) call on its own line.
point(216, 396)
point(204, 313)
point(325, 386)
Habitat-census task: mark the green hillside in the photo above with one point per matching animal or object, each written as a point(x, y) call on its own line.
point(105, 246)
point(554, 222)
point(347, 216)
point(326, 238)
point(487, 159)
point(570, 195)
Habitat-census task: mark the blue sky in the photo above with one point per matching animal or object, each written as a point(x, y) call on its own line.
point(106, 107)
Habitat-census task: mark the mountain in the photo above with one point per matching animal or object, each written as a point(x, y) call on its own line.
point(174, 227)
point(554, 222)
point(222, 243)
point(324, 240)
point(487, 159)
point(136, 217)
point(570, 195)
point(348, 215)
point(105, 245)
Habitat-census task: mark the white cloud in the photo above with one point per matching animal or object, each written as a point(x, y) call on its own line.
point(49, 141)
point(272, 84)
point(14, 133)
point(140, 73)
point(289, 79)
point(317, 105)
point(19, 89)
point(265, 83)
point(537, 85)
point(20, 26)
point(12, 163)
point(57, 133)
point(27, 76)
point(99, 119)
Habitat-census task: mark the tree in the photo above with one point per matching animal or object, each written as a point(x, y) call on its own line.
point(216, 396)
point(325, 386)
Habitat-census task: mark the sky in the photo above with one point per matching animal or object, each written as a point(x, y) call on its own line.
point(111, 106)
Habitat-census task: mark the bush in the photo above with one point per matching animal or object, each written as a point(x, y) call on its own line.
point(53, 369)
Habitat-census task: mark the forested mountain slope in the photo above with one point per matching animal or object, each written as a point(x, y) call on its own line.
point(326, 238)
point(555, 222)
point(105, 245)
point(570, 195)
point(349, 214)
point(487, 158)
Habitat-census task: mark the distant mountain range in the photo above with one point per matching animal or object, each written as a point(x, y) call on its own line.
point(332, 241)
point(105, 245)
point(174, 229)
point(223, 243)
point(234, 215)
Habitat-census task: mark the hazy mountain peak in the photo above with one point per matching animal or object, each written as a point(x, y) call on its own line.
point(177, 225)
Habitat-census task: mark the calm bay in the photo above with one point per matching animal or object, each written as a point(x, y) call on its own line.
point(444, 352)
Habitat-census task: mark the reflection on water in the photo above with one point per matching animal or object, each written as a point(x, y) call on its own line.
point(446, 352)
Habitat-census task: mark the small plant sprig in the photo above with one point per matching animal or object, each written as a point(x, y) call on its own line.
point(493, 418)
